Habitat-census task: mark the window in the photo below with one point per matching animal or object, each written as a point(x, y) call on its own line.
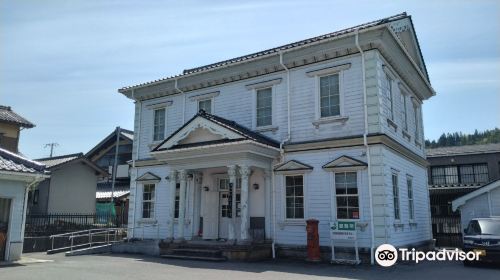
point(395, 194)
point(264, 107)
point(177, 199)
point(148, 201)
point(417, 122)
point(346, 191)
point(460, 174)
point(294, 197)
point(390, 97)
point(329, 90)
point(411, 209)
point(405, 112)
point(205, 105)
point(159, 124)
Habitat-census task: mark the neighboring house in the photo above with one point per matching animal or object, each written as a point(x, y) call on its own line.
point(252, 147)
point(10, 128)
point(17, 175)
point(455, 172)
point(103, 155)
point(71, 188)
point(481, 203)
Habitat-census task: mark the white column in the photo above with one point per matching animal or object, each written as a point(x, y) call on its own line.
point(231, 171)
point(245, 173)
point(182, 204)
point(267, 186)
point(171, 211)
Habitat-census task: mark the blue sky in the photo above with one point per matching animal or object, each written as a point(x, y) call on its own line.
point(61, 62)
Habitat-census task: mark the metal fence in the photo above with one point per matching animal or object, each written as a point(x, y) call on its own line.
point(447, 231)
point(57, 223)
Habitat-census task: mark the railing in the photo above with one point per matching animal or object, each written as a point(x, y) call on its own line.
point(55, 223)
point(89, 238)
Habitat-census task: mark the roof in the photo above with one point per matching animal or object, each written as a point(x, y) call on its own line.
point(58, 160)
point(110, 140)
point(55, 162)
point(16, 163)
point(103, 190)
point(464, 150)
point(463, 199)
point(277, 49)
point(9, 116)
point(247, 134)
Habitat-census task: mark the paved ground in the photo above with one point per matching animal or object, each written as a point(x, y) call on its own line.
point(122, 267)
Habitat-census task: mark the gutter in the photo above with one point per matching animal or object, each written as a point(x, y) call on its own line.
point(365, 143)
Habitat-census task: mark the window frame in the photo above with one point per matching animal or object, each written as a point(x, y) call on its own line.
point(304, 179)
point(256, 95)
point(458, 173)
point(390, 89)
point(358, 194)
point(396, 196)
point(411, 197)
point(211, 99)
point(155, 110)
point(318, 77)
point(152, 215)
point(404, 99)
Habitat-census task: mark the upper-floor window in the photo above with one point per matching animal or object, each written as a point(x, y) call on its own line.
point(159, 124)
point(390, 97)
point(347, 197)
point(329, 90)
point(395, 195)
point(264, 109)
point(205, 105)
point(460, 174)
point(148, 201)
point(405, 111)
point(294, 188)
point(416, 110)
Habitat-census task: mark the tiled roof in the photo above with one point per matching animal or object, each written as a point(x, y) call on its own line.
point(247, 134)
point(104, 190)
point(277, 49)
point(55, 161)
point(128, 134)
point(110, 140)
point(9, 116)
point(464, 150)
point(16, 163)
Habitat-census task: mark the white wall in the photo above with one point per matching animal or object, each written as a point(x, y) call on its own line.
point(72, 189)
point(474, 208)
point(14, 190)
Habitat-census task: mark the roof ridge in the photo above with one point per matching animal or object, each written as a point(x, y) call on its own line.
point(274, 50)
point(61, 156)
point(30, 163)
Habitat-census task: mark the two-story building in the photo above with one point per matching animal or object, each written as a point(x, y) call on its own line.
point(453, 173)
point(249, 148)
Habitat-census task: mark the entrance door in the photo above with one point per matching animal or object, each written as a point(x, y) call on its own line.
point(4, 225)
point(226, 207)
point(211, 215)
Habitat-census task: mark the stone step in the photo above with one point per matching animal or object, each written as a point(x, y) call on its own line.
point(197, 258)
point(197, 252)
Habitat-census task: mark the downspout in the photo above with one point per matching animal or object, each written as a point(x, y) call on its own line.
point(183, 102)
point(282, 152)
point(365, 143)
point(137, 145)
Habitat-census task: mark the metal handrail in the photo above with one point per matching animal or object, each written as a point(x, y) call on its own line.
point(90, 233)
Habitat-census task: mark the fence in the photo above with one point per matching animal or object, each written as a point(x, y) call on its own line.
point(55, 223)
point(447, 231)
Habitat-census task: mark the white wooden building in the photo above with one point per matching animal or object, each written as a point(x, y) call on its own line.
point(327, 128)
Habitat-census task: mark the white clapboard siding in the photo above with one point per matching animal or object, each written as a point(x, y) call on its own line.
point(402, 232)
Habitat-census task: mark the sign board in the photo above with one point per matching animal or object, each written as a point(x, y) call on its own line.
point(344, 230)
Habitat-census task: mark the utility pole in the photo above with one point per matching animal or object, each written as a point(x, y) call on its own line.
point(115, 165)
point(52, 146)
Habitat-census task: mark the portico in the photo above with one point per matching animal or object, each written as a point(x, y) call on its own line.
point(218, 173)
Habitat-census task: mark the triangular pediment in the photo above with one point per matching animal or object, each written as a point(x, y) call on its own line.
point(199, 130)
point(148, 176)
point(345, 162)
point(293, 165)
point(404, 30)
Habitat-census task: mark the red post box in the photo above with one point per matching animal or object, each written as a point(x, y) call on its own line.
point(313, 252)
